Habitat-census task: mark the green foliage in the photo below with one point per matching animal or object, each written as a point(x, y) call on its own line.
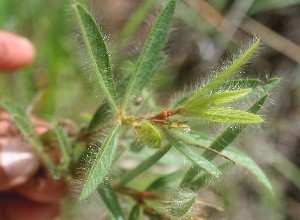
point(168, 134)
point(98, 54)
point(149, 59)
point(65, 146)
point(245, 161)
point(180, 203)
point(193, 157)
point(225, 74)
point(102, 163)
point(25, 126)
point(110, 200)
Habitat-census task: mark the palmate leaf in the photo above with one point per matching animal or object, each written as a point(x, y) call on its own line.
point(150, 57)
point(102, 163)
point(98, 54)
point(236, 64)
point(197, 160)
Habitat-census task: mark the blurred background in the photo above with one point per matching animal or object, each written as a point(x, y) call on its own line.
point(57, 85)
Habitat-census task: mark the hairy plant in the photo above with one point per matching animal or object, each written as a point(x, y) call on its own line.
point(163, 130)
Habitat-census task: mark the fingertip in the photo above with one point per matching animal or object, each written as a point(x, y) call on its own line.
point(15, 52)
point(43, 190)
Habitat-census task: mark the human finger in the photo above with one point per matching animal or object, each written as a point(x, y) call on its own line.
point(20, 208)
point(18, 162)
point(43, 189)
point(15, 52)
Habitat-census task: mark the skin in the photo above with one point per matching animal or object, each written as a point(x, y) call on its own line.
point(24, 186)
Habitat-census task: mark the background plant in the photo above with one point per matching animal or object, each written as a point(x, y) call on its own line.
point(158, 112)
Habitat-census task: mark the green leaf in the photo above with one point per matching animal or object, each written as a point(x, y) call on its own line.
point(221, 98)
point(226, 73)
point(226, 138)
point(110, 200)
point(147, 134)
point(225, 115)
point(232, 132)
point(98, 54)
point(64, 144)
point(25, 126)
point(146, 164)
point(263, 89)
point(13, 108)
point(230, 85)
point(164, 181)
point(192, 156)
point(150, 57)
point(135, 213)
point(135, 21)
point(102, 115)
point(238, 84)
point(245, 161)
point(102, 163)
point(30, 135)
point(180, 203)
point(261, 6)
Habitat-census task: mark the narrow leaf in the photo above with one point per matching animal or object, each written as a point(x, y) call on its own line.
point(226, 138)
point(226, 73)
point(144, 165)
point(135, 213)
point(263, 88)
point(150, 57)
point(110, 200)
point(221, 98)
point(245, 161)
point(180, 203)
point(64, 144)
point(101, 116)
point(24, 124)
point(238, 84)
point(232, 132)
point(30, 135)
point(13, 108)
point(102, 163)
point(164, 182)
point(230, 85)
point(98, 54)
point(226, 115)
point(192, 156)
